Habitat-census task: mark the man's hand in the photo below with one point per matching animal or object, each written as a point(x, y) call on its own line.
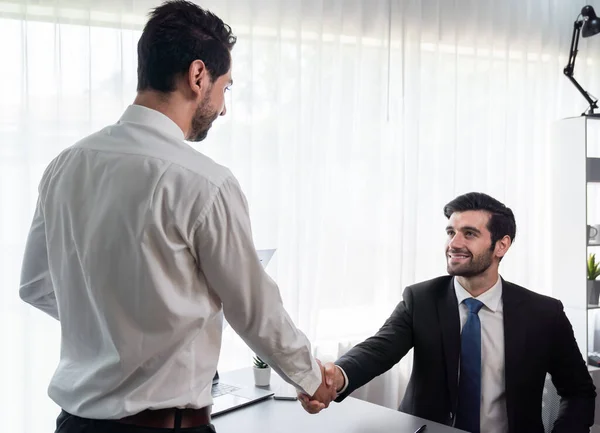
point(333, 381)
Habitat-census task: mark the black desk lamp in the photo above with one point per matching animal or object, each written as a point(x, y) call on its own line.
point(587, 23)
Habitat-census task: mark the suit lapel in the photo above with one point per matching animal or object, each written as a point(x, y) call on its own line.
point(447, 307)
point(514, 346)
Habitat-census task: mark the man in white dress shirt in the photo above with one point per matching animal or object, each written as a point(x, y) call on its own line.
point(139, 244)
point(482, 345)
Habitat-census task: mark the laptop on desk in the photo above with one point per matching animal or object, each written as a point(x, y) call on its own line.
point(228, 397)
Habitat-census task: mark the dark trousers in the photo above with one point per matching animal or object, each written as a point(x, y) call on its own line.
point(67, 423)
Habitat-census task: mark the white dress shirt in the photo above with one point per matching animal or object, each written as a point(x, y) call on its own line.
point(494, 418)
point(138, 245)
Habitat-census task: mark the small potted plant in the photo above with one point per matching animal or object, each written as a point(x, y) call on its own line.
point(593, 285)
point(262, 372)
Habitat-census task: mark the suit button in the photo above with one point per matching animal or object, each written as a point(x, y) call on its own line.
point(451, 415)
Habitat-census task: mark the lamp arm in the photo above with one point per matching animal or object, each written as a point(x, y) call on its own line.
point(569, 69)
point(574, 48)
point(586, 95)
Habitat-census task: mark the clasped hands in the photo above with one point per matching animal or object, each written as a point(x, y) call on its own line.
point(332, 382)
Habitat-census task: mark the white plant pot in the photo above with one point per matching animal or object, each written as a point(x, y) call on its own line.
point(262, 376)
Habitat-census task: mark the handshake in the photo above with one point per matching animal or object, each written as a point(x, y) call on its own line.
point(333, 381)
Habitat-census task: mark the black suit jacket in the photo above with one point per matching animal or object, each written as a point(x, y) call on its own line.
point(538, 339)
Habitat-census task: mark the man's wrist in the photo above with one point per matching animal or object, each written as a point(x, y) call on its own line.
point(341, 380)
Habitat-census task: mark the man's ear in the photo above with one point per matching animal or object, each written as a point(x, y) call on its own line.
point(502, 246)
point(198, 78)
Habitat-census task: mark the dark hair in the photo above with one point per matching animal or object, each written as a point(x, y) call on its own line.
point(502, 220)
point(177, 33)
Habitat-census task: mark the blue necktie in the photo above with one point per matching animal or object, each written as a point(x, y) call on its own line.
point(469, 384)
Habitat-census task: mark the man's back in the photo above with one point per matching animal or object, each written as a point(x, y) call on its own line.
point(139, 245)
point(137, 316)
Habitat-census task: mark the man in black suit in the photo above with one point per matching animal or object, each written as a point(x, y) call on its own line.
point(482, 345)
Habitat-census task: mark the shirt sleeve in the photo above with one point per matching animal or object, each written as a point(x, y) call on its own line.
point(251, 300)
point(36, 285)
point(341, 391)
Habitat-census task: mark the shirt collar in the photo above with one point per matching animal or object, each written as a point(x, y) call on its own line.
point(152, 119)
point(491, 298)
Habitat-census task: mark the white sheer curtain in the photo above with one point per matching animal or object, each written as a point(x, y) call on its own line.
point(350, 125)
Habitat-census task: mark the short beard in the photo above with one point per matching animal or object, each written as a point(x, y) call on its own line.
point(477, 266)
point(202, 121)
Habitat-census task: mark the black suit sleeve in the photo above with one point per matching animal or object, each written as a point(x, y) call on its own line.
point(379, 353)
point(571, 379)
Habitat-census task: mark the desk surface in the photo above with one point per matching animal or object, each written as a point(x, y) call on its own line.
point(350, 416)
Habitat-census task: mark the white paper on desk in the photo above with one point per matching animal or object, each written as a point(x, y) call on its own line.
point(265, 256)
point(285, 391)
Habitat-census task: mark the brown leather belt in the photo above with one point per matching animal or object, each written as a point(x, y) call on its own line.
point(170, 418)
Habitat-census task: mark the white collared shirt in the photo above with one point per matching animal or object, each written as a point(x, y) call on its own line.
point(494, 418)
point(138, 245)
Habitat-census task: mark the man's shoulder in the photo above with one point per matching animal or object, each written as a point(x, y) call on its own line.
point(180, 158)
point(432, 286)
point(520, 294)
point(512, 290)
point(201, 166)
